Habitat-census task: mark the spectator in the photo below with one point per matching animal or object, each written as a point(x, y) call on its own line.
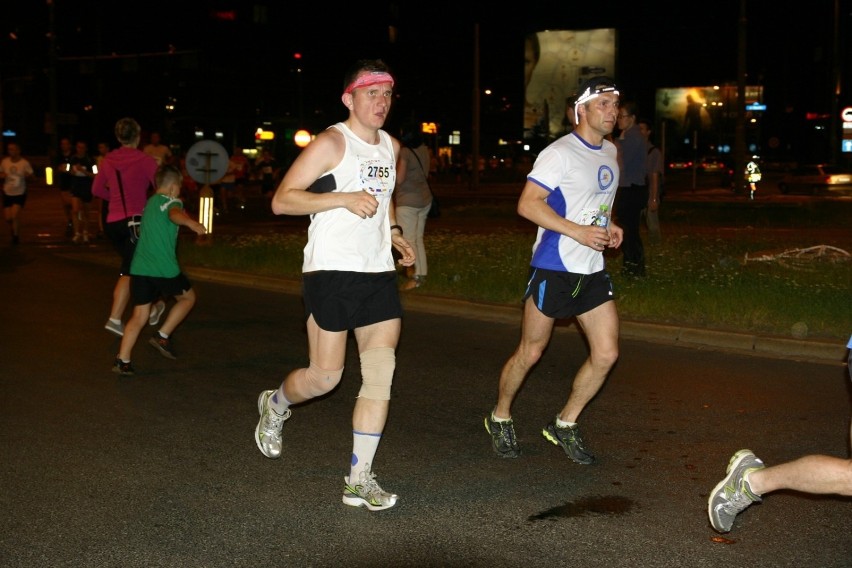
point(413, 200)
point(157, 150)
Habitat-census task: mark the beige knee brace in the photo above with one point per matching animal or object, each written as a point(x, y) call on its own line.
point(316, 381)
point(377, 367)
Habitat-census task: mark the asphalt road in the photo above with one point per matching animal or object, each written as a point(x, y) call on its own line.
point(162, 469)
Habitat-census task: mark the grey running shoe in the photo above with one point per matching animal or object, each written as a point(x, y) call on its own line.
point(122, 368)
point(503, 437)
point(732, 495)
point(570, 440)
point(156, 312)
point(163, 345)
point(116, 328)
point(367, 493)
point(268, 431)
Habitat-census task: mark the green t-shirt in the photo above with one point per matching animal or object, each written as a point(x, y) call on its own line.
point(156, 251)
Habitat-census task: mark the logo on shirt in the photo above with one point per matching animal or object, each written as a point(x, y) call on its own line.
point(605, 177)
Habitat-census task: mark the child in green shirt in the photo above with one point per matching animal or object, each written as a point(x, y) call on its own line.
point(155, 272)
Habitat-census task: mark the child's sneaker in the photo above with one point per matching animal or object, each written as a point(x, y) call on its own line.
point(367, 493)
point(156, 312)
point(122, 368)
point(163, 345)
point(116, 328)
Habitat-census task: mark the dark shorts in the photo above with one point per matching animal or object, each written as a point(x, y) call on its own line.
point(119, 235)
point(84, 194)
point(9, 200)
point(561, 295)
point(147, 289)
point(341, 301)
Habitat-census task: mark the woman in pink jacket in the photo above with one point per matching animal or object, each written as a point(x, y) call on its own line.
point(124, 180)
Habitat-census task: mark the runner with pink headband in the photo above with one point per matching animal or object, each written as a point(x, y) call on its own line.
point(368, 80)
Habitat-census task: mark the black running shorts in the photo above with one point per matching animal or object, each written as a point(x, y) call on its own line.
point(147, 289)
point(341, 301)
point(561, 295)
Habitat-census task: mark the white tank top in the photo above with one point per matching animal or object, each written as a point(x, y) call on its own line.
point(340, 240)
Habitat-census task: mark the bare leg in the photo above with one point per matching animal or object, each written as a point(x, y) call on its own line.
point(120, 297)
point(371, 415)
point(131, 331)
point(601, 328)
point(535, 335)
point(816, 474)
point(183, 305)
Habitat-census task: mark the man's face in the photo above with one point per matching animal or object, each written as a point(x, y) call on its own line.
point(643, 128)
point(371, 104)
point(65, 146)
point(602, 112)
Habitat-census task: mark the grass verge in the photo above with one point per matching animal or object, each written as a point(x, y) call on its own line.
point(729, 277)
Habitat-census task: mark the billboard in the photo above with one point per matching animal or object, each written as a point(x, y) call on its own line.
point(555, 63)
point(704, 112)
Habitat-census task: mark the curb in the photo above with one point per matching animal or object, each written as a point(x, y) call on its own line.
point(742, 343)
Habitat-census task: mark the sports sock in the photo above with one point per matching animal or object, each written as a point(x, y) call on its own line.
point(364, 448)
point(115, 321)
point(495, 419)
point(163, 335)
point(562, 424)
point(278, 401)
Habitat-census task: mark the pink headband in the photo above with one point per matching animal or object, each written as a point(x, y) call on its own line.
point(368, 79)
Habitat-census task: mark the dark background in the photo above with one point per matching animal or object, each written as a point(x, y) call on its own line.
point(230, 66)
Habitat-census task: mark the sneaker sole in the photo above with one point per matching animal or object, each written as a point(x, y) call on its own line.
point(114, 331)
point(155, 320)
point(735, 461)
point(153, 343)
point(257, 428)
point(356, 501)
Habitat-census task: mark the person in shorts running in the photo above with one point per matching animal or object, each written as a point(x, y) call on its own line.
point(748, 479)
point(568, 194)
point(344, 180)
point(155, 272)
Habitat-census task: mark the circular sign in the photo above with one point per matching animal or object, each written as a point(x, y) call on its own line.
point(207, 161)
point(846, 114)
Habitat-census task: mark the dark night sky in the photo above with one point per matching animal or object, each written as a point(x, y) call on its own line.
point(246, 70)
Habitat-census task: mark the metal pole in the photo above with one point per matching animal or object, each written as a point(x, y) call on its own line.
point(474, 174)
point(53, 95)
point(739, 131)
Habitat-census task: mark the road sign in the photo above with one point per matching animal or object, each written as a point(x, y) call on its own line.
point(207, 161)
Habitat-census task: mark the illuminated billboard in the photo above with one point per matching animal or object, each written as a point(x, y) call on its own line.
point(555, 64)
point(694, 110)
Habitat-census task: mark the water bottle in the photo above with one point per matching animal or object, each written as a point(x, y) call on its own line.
point(603, 216)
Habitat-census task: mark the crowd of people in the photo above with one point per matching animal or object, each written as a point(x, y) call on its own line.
point(75, 168)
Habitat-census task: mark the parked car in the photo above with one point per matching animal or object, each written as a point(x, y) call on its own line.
point(680, 164)
point(711, 165)
point(816, 178)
